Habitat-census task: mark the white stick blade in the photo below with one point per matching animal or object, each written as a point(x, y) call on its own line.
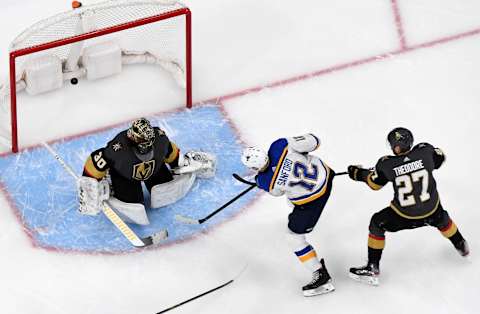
point(159, 236)
point(186, 220)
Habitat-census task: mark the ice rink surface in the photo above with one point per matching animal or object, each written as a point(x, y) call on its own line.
point(347, 71)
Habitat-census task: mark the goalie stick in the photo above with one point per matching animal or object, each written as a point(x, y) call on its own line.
point(112, 215)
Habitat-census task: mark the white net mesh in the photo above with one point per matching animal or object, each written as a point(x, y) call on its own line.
point(161, 42)
point(106, 14)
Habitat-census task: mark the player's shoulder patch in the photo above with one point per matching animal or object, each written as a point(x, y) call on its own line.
point(117, 146)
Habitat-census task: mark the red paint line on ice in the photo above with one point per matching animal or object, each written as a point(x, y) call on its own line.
point(399, 24)
point(219, 101)
point(444, 40)
point(340, 67)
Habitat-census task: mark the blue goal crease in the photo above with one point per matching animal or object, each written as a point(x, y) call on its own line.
point(44, 194)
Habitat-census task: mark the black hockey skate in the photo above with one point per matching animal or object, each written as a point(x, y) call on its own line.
point(366, 274)
point(462, 248)
point(320, 284)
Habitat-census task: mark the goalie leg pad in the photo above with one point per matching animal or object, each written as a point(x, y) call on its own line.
point(91, 194)
point(168, 193)
point(129, 212)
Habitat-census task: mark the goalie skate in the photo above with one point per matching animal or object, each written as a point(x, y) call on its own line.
point(367, 274)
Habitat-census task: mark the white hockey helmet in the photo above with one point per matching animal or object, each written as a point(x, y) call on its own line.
point(255, 158)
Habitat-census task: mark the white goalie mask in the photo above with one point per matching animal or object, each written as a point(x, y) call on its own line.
point(255, 158)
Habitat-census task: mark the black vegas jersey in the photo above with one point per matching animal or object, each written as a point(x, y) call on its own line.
point(119, 156)
point(415, 189)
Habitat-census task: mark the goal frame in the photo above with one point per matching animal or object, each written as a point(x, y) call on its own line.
point(97, 33)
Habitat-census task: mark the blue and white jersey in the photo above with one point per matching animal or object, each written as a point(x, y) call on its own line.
point(293, 172)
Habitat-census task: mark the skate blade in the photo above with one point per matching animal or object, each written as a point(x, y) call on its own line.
point(373, 281)
point(326, 288)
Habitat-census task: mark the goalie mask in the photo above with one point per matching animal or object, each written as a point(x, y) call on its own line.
point(255, 158)
point(401, 138)
point(142, 134)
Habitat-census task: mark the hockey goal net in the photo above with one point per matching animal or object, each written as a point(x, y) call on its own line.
point(93, 42)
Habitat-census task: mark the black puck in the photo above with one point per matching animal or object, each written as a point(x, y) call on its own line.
point(74, 81)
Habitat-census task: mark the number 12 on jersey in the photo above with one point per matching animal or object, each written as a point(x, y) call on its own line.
point(305, 175)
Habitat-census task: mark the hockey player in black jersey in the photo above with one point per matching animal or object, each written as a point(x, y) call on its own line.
point(142, 153)
point(415, 203)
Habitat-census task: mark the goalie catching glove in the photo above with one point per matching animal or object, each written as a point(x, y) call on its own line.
point(91, 194)
point(201, 163)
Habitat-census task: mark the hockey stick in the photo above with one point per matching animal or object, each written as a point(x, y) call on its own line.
point(205, 293)
point(112, 215)
point(239, 178)
point(193, 221)
point(196, 297)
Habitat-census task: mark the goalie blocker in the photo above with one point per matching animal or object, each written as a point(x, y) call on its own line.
point(140, 154)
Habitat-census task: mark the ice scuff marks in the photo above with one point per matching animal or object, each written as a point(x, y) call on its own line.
point(44, 194)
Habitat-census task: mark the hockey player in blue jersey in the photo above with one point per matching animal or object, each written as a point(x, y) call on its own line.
point(287, 169)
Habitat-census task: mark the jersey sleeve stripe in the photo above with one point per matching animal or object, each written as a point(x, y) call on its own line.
point(91, 170)
point(277, 169)
point(174, 154)
point(317, 194)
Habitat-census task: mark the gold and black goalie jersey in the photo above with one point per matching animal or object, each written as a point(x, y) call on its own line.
point(119, 156)
point(415, 192)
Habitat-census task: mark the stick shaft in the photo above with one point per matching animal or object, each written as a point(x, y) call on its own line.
point(60, 160)
point(196, 297)
point(239, 178)
point(227, 203)
point(107, 210)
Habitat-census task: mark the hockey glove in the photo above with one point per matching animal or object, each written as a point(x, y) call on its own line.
point(201, 163)
point(357, 173)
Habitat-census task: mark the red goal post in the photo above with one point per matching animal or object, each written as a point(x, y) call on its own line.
point(171, 9)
